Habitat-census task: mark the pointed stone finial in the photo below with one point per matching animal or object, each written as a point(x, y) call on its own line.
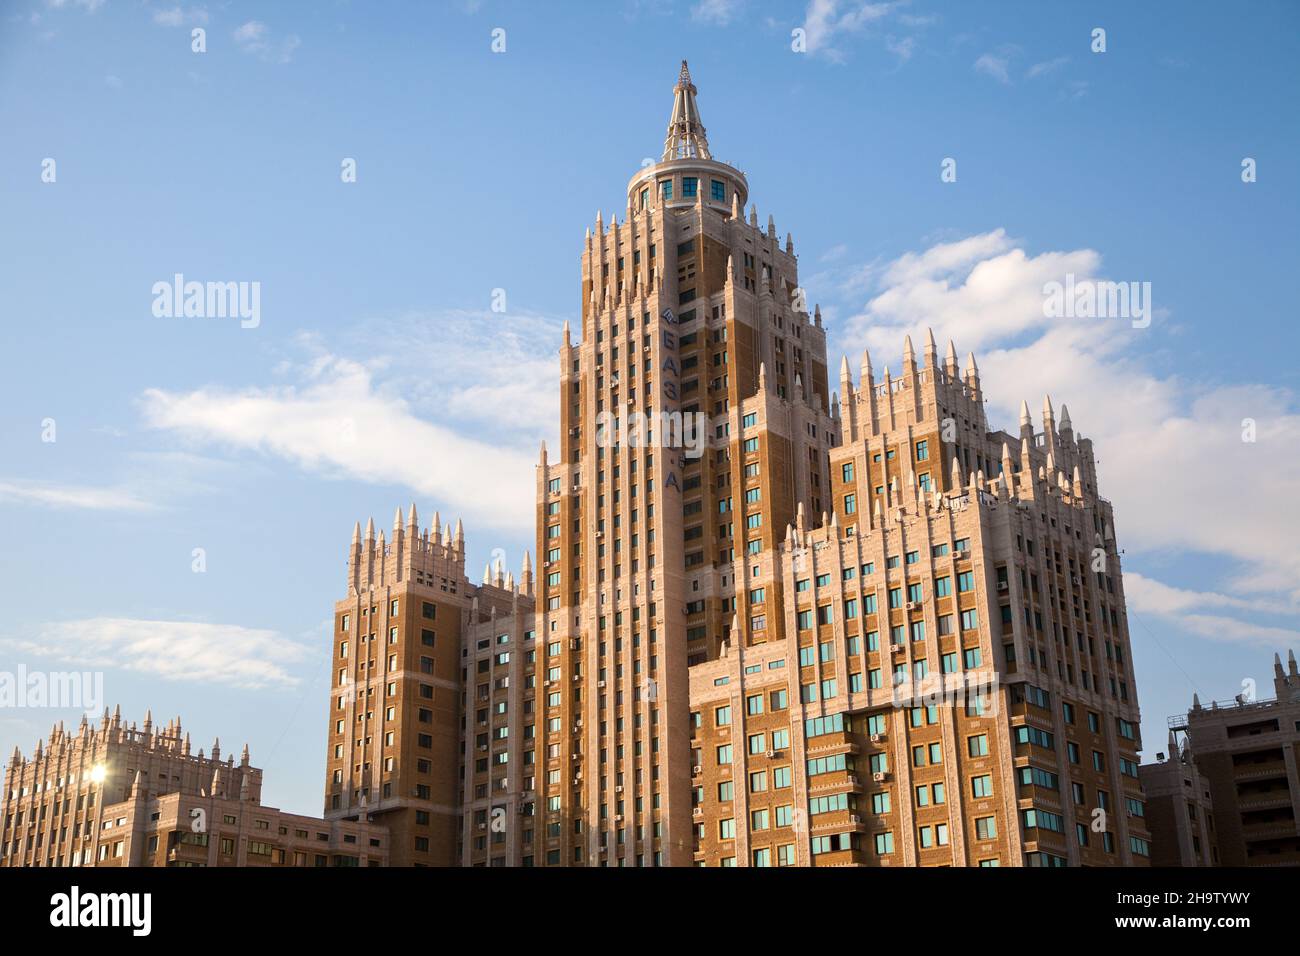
point(1047, 408)
point(789, 244)
point(460, 535)
point(771, 227)
point(762, 376)
point(1291, 663)
point(950, 360)
point(370, 529)
point(909, 354)
point(931, 350)
point(356, 534)
point(487, 573)
point(844, 368)
point(397, 522)
point(1064, 426)
point(1025, 417)
point(736, 212)
point(866, 368)
point(412, 520)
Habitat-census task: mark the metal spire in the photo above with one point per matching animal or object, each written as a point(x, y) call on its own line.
point(686, 139)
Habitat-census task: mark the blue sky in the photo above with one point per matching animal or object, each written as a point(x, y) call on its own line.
point(379, 375)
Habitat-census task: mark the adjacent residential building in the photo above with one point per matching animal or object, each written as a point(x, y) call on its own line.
point(1179, 808)
point(1247, 753)
point(119, 795)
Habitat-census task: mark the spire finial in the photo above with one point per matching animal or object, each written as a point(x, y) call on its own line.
point(686, 137)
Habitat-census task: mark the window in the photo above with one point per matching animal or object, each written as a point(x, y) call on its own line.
point(884, 843)
point(922, 450)
point(690, 186)
point(978, 746)
point(981, 786)
point(1034, 817)
point(986, 828)
point(667, 187)
point(719, 191)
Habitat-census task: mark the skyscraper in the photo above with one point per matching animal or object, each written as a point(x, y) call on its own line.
point(770, 625)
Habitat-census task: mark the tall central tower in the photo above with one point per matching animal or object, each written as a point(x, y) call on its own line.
point(698, 369)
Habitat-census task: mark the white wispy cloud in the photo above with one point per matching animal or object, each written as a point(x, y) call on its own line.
point(228, 654)
point(178, 16)
point(1170, 449)
point(1046, 66)
point(90, 6)
point(901, 47)
point(73, 496)
point(720, 12)
point(994, 66)
point(827, 20)
point(254, 37)
point(339, 422)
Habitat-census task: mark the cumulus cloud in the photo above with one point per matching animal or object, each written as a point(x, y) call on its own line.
point(1171, 454)
point(249, 658)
